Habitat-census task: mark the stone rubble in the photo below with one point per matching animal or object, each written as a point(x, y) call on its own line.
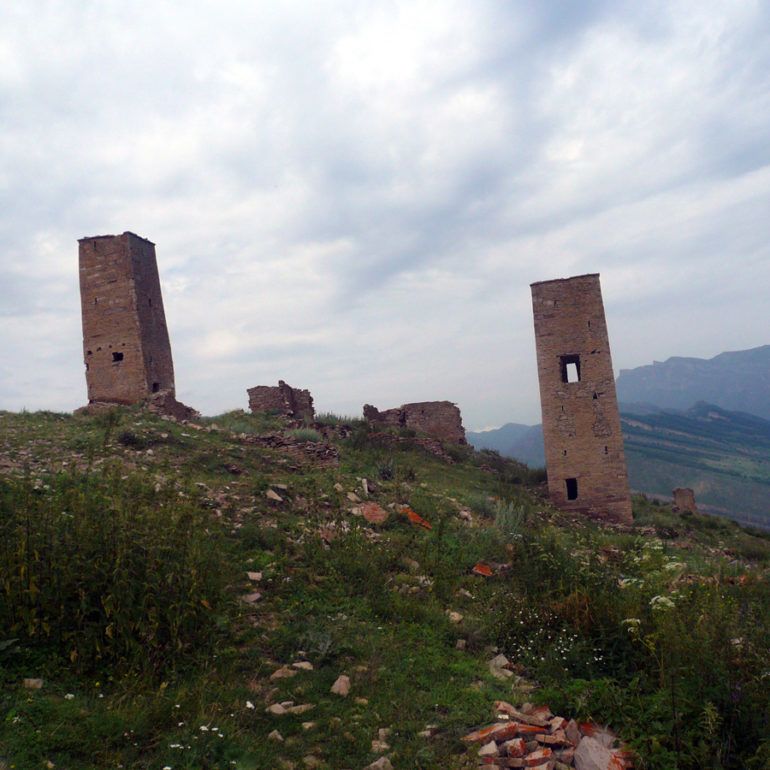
point(532, 737)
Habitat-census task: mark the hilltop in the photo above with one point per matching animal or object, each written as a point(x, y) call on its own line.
point(189, 593)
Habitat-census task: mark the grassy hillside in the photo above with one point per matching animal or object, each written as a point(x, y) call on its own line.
point(724, 456)
point(189, 594)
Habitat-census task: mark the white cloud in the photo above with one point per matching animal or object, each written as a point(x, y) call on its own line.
point(354, 197)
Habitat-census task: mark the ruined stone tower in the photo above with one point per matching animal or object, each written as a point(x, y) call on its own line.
point(581, 424)
point(125, 340)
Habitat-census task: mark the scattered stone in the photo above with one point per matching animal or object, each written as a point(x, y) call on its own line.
point(255, 576)
point(489, 750)
point(361, 701)
point(33, 684)
point(301, 709)
point(500, 667)
point(461, 644)
point(272, 495)
point(378, 746)
point(353, 497)
point(454, 617)
point(374, 513)
point(338, 487)
point(342, 686)
point(535, 739)
point(309, 725)
point(276, 709)
point(383, 763)
point(275, 736)
point(591, 755)
point(311, 762)
point(303, 665)
point(284, 672)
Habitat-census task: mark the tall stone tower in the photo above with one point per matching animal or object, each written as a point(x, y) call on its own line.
point(125, 340)
point(581, 424)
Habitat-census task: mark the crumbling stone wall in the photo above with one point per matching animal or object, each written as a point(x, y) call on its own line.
point(684, 500)
point(584, 454)
point(440, 419)
point(126, 346)
point(283, 399)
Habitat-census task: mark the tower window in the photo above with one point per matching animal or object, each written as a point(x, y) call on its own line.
point(572, 489)
point(117, 357)
point(155, 387)
point(570, 368)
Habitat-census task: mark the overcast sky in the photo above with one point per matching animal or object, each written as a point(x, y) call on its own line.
point(354, 196)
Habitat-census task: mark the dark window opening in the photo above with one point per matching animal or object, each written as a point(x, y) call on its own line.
point(149, 301)
point(570, 368)
point(155, 387)
point(606, 451)
point(596, 396)
point(571, 489)
point(96, 300)
point(89, 352)
point(117, 356)
point(589, 324)
point(564, 452)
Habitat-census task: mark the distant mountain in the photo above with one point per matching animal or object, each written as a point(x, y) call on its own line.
point(723, 455)
point(499, 439)
point(738, 380)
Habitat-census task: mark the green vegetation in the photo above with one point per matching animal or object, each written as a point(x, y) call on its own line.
point(152, 583)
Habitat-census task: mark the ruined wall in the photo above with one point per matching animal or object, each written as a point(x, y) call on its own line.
point(126, 347)
point(440, 419)
point(584, 454)
point(282, 399)
point(684, 500)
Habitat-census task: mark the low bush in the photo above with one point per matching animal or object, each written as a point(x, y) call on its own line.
point(109, 571)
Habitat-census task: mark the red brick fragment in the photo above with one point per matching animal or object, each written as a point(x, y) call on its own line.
point(415, 518)
point(483, 569)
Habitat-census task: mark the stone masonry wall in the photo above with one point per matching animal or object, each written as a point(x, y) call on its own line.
point(126, 347)
point(684, 500)
point(584, 452)
point(440, 419)
point(282, 399)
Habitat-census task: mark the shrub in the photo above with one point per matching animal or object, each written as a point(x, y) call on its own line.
point(304, 434)
point(109, 571)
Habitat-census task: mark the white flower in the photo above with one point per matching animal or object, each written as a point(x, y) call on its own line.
point(661, 603)
point(69, 696)
point(204, 728)
point(249, 704)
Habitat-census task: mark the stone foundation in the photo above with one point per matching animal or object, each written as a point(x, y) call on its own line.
point(684, 500)
point(283, 399)
point(439, 419)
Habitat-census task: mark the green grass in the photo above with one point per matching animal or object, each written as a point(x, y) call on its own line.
point(147, 528)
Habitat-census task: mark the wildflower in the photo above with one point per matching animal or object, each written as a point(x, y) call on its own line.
point(249, 704)
point(204, 728)
point(661, 603)
point(69, 696)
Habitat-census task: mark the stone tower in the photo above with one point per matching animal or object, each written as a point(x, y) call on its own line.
point(581, 424)
point(125, 340)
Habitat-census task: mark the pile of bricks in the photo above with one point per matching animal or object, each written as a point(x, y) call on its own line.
point(532, 737)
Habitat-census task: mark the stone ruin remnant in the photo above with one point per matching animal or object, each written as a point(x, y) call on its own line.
point(439, 419)
point(126, 346)
point(585, 460)
point(684, 500)
point(283, 399)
